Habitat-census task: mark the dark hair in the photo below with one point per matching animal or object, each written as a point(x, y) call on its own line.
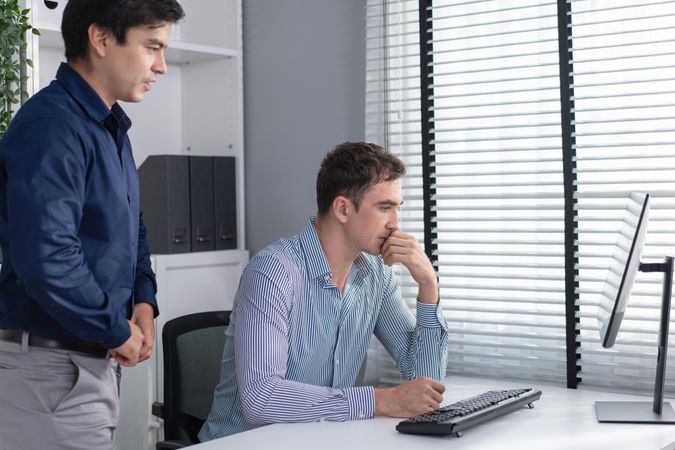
point(114, 15)
point(350, 169)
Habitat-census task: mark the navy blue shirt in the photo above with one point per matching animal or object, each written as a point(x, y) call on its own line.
point(75, 253)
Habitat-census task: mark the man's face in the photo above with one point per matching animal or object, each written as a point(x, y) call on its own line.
point(377, 216)
point(130, 69)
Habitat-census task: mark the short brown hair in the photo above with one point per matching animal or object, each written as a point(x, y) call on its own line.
point(116, 16)
point(350, 169)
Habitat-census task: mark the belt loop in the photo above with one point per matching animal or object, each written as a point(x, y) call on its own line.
point(24, 341)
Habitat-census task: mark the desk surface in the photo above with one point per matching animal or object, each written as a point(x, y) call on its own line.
point(562, 419)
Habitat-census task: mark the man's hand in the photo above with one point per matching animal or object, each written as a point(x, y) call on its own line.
point(127, 354)
point(144, 318)
point(410, 399)
point(404, 248)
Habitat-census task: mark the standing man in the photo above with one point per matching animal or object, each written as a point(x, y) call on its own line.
point(307, 307)
point(77, 293)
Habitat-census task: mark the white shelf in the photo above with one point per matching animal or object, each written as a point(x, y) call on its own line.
point(183, 52)
point(177, 53)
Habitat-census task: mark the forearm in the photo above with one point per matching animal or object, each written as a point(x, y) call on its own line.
point(279, 400)
point(428, 292)
point(418, 346)
point(145, 285)
point(431, 343)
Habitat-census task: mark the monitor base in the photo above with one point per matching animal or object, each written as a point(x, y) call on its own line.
point(633, 412)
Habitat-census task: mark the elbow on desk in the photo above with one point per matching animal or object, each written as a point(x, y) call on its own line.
point(253, 406)
point(254, 415)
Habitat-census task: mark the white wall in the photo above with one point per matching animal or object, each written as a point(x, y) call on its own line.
point(304, 92)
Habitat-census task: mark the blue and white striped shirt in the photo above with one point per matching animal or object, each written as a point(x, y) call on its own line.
point(295, 343)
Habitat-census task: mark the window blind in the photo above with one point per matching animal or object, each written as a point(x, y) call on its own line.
point(623, 56)
point(497, 172)
point(499, 191)
point(495, 127)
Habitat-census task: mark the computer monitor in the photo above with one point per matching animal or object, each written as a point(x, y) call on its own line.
point(623, 268)
point(614, 299)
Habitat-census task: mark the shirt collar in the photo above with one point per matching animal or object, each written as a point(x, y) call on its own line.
point(88, 99)
point(117, 122)
point(315, 258)
point(363, 264)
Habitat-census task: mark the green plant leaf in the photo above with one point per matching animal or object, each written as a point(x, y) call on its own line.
point(14, 26)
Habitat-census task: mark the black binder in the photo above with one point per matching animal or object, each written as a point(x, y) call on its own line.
point(225, 202)
point(201, 203)
point(189, 203)
point(165, 202)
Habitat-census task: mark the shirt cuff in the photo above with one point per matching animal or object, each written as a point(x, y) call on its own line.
point(145, 293)
point(429, 315)
point(361, 402)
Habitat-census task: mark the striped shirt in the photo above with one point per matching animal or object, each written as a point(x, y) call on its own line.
point(295, 344)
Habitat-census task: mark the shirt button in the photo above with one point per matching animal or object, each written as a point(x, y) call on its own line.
point(362, 415)
point(337, 361)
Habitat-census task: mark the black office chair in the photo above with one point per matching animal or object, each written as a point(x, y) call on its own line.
point(193, 346)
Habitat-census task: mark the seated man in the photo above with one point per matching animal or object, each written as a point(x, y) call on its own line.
point(307, 307)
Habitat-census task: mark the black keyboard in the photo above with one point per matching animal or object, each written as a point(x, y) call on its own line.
point(455, 418)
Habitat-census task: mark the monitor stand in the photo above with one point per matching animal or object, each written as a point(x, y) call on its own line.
point(645, 412)
point(633, 412)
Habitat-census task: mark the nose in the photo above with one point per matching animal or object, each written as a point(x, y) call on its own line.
point(392, 223)
point(160, 63)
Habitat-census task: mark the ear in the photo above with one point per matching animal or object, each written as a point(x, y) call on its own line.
point(342, 207)
point(100, 39)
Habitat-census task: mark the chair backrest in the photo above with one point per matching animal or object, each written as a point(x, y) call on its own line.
point(193, 347)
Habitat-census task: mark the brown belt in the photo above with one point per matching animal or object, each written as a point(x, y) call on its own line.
point(90, 348)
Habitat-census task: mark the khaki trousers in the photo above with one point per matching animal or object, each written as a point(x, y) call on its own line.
point(56, 399)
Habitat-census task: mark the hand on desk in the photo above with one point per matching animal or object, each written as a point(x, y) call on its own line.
point(409, 399)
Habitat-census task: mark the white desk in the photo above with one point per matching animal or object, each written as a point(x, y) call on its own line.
point(563, 419)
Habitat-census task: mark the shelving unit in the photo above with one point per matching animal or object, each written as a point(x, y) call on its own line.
point(195, 109)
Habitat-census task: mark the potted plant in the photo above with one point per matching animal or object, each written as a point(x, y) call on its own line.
point(14, 25)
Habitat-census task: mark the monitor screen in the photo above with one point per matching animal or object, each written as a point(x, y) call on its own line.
point(624, 266)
